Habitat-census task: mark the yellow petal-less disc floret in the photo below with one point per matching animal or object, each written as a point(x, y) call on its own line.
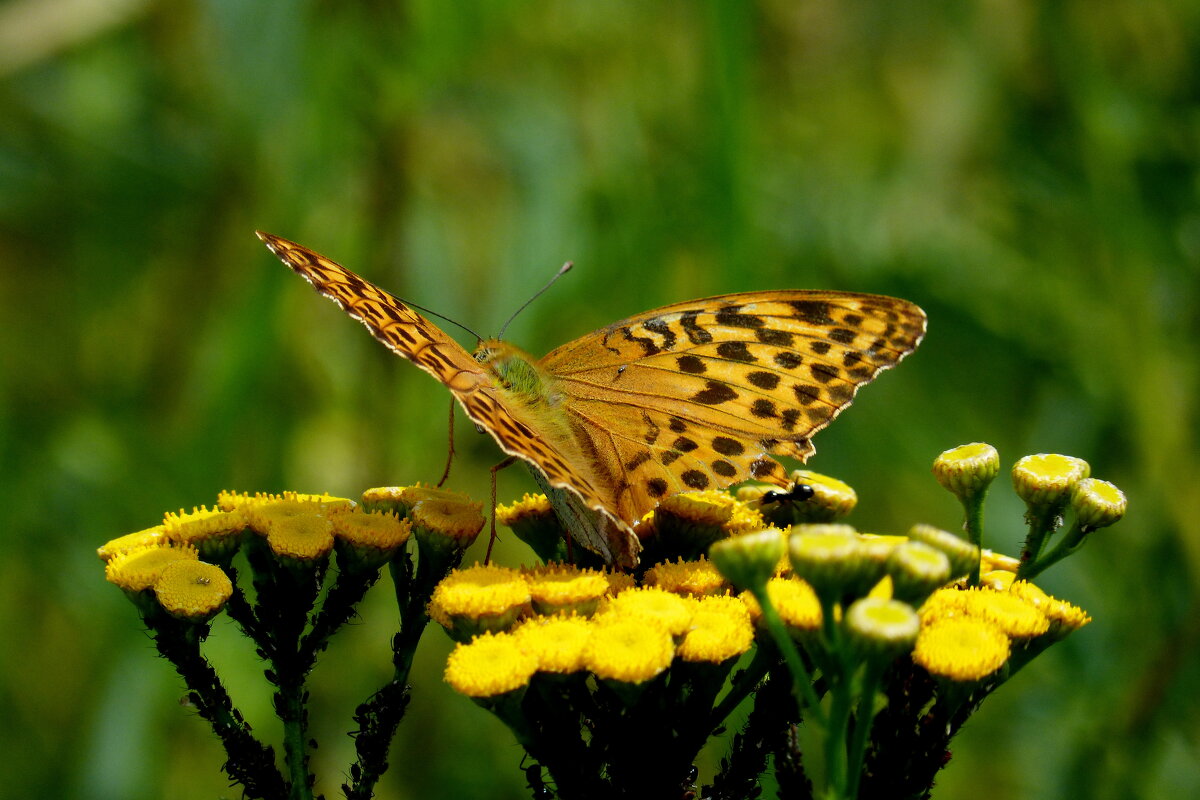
point(1045, 480)
point(559, 588)
point(1097, 504)
point(673, 612)
point(691, 578)
point(628, 649)
point(1013, 615)
point(137, 569)
point(881, 628)
point(302, 537)
point(990, 560)
point(192, 590)
point(450, 518)
point(720, 630)
point(1064, 617)
point(967, 470)
point(468, 601)
point(490, 665)
point(917, 570)
point(795, 601)
point(216, 534)
point(961, 648)
point(530, 505)
point(150, 537)
point(557, 642)
point(366, 540)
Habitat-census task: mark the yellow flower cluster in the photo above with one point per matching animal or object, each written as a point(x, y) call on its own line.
point(183, 585)
point(501, 616)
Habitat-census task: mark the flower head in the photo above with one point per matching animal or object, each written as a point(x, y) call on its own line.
point(795, 601)
point(968, 470)
point(880, 628)
point(917, 570)
point(490, 665)
point(748, 560)
point(137, 569)
point(827, 557)
point(556, 642)
point(720, 630)
point(831, 499)
point(671, 611)
point(481, 598)
point(1044, 481)
point(216, 534)
point(450, 521)
point(693, 578)
point(628, 649)
point(192, 590)
point(534, 522)
point(963, 555)
point(152, 537)
point(961, 648)
point(1097, 504)
point(562, 588)
point(366, 540)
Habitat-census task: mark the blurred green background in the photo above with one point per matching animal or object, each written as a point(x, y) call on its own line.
point(1026, 171)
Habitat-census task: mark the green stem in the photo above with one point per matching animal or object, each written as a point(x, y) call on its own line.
point(743, 686)
point(291, 709)
point(801, 679)
point(1069, 544)
point(836, 736)
point(862, 726)
point(973, 525)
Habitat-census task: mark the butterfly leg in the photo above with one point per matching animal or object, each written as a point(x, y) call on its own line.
point(487, 559)
point(450, 453)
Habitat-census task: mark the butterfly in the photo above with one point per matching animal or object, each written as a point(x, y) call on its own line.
point(690, 396)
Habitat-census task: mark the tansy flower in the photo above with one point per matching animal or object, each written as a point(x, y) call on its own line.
point(961, 648)
point(880, 628)
point(301, 537)
point(795, 601)
point(917, 570)
point(563, 588)
point(619, 582)
point(748, 560)
point(990, 560)
point(1064, 617)
point(556, 642)
point(700, 518)
point(489, 665)
point(967, 470)
point(693, 578)
point(261, 511)
point(216, 534)
point(480, 598)
point(533, 520)
point(150, 537)
point(1045, 480)
point(628, 649)
point(192, 590)
point(720, 630)
point(1097, 504)
point(137, 569)
point(1014, 616)
point(327, 501)
point(401, 499)
point(673, 612)
point(828, 558)
point(366, 540)
point(449, 519)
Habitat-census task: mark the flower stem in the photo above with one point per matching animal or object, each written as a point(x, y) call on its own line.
point(973, 525)
point(801, 679)
point(862, 726)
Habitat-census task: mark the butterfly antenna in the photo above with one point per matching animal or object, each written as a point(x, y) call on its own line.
point(441, 317)
point(563, 270)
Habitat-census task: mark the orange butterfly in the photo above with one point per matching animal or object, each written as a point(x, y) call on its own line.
point(695, 395)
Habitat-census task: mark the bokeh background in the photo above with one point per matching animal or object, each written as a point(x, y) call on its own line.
point(1024, 170)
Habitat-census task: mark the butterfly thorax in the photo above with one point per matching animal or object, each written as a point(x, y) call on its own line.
point(518, 372)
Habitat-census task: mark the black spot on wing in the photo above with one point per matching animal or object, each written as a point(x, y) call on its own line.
point(728, 447)
point(788, 360)
point(695, 334)
point(664, 330)
point(656, 487)
point(731, 317)
point(736, 351)
point(695, 479)
point(764, 380)
point(691, 365)
point(814, 312)
point(714, 394)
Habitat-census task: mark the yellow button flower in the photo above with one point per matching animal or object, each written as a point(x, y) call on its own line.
point(692, 578)
point(192, 590)
point(490, 665)
point(558, 588)
point(628, 649)
point(720, 630)
point(480, 598)
point(673, 612)
point(795, 601)
point(132, 541)
point(961, 648)
point(557, 642)
point(137, 569)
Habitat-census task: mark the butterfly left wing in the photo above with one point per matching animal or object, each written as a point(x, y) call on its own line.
point(517, 431)
point(697, 395)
